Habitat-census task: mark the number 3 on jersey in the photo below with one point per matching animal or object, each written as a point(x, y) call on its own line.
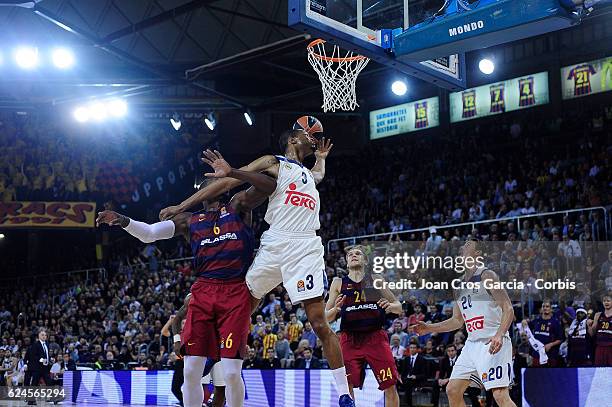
point(304, 178)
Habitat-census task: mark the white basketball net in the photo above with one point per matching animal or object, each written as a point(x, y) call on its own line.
point(338, 75)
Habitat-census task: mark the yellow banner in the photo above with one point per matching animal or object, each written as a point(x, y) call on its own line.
point(47, 214)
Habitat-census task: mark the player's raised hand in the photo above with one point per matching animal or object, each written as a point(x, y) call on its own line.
point(324, 146)
point(339, 302)
point(169, 212)
point(218, 163)
point(420, 328)
point(111, 218)
point(496, 343)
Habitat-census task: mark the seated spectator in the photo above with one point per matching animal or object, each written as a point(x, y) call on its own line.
point(252, 361)
point(271, 361)
point(307, 360)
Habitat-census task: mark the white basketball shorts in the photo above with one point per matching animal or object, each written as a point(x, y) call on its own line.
point(294, 259)
point(477, 364)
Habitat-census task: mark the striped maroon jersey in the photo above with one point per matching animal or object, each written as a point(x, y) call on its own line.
point(360, 314)
point(222, 244)
point(603, 331)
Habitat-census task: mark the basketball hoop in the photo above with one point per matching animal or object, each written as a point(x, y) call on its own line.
point(338, 75)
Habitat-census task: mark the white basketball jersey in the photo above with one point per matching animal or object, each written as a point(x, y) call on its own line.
point(479, 309)
point(294, 205)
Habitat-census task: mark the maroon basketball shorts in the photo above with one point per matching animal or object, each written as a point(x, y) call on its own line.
point(372, 348)
point(218, 319)
point(603, 356)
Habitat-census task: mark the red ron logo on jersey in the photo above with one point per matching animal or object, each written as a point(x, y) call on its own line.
point(296, 198)
point(474, 324)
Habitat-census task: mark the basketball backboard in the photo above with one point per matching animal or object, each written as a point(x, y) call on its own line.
point(356, 25)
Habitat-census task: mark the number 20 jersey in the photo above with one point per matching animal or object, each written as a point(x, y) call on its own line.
point(294, 205)
point(479, 309)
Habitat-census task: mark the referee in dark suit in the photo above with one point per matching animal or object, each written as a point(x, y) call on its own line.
point(39, 361)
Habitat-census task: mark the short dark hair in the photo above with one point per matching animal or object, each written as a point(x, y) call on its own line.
point(283, 140)
point(451, 346)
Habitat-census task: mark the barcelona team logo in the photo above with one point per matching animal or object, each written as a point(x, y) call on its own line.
point(201, 217)
point(223, 212)
point(300, 286)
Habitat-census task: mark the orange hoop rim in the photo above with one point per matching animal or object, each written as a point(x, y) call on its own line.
point(310, 49)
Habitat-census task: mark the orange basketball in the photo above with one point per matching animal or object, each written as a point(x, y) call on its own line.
point(309, 124)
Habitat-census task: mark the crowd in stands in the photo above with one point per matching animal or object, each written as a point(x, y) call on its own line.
point(46, 160)
point(113, 319)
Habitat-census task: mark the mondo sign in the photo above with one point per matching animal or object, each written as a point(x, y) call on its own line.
point(419, 115)
point(47, 214)
point(495, 98)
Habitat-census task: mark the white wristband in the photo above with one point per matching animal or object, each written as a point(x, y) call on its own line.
point(177, 338)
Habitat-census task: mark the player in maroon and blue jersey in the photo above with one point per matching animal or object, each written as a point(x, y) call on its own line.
point(547, 329)
point(218, 316)
point(363, 310)
point(601, 329)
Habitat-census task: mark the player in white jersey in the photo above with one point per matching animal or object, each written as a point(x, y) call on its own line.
point(290, 253)
point(487, 315)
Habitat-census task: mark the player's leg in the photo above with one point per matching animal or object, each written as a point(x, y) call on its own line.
point(200, 340)
point(495, 371)
point(177, 381)
point(192, 387)
point(465, 367)
point(233, 327)
point(455, 389)
point(502, 397)
point(315, 311)
point(219, 396)
point(354, 363)
point(391, 397)
point(378, 355)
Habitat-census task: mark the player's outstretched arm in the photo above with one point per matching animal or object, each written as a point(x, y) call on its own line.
point(335, 300)
point(147, 233)
point(267, 163)
point(261, 182)
point(452, 324)
point(323, 149)
point(501, 298)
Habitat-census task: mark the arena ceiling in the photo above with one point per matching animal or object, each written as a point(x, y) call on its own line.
point(243, 52)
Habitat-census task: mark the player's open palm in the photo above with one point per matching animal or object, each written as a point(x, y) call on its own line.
point(218, 163)
point(420, 328)
point(324, 146)
point(109, 217)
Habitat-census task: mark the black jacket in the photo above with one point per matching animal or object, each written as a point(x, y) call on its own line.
point(419, 369)
point(35, 354)
point(301, 363)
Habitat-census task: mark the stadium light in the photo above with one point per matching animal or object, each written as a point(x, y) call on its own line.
point(98, 111)
point(2, 236)
point(26, 57)
point(175, 120)
point(81, 114)
point(117, 107)
point(210, 121)
point(399, 88)
point(248, 117)
point(486, 66)
point(63, 58)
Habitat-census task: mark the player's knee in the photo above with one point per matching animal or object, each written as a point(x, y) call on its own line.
point(232, 378)
point(320, 327)
point(454, 391)
point(501, 395)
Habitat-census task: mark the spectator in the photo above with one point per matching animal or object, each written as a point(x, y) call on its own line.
point(413, 371)
point(271, 361)
point(307, 361)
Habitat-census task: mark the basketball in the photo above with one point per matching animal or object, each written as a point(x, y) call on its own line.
point(309, 124)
